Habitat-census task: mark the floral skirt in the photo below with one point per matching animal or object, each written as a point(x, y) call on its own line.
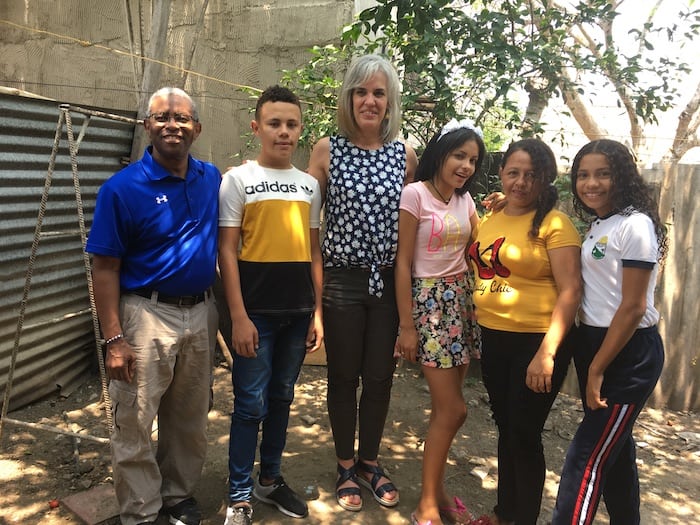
point(443, 312)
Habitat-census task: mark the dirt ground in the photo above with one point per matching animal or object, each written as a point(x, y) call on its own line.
point(37, 466)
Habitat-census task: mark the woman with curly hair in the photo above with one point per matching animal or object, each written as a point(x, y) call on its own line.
point(619, 354)
point(528, 287)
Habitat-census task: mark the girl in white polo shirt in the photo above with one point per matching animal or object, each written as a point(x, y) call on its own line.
point(620, 354)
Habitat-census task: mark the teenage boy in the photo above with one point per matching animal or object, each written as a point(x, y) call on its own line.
point(273, 291)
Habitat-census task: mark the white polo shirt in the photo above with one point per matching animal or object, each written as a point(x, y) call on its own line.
point(610, 244)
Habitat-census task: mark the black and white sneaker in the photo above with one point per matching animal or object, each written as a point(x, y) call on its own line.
point(184, 513)
point(281, 496)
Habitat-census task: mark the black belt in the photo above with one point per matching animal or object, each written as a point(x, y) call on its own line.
point(177, 300)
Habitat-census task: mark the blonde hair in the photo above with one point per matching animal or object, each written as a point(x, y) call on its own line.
point(362, 69)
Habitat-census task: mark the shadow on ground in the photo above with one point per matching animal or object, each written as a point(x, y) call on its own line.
point(37, 467)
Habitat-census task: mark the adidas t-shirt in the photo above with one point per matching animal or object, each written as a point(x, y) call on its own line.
point(275, 210)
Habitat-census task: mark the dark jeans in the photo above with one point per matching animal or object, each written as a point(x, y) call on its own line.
point(601, 460)
point(520, 415)
point(263, 389)
point(360, 333)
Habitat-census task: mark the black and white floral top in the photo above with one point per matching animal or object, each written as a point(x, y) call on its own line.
point(362, 207)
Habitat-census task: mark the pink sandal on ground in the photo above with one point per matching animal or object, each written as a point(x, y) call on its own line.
point(460, 515)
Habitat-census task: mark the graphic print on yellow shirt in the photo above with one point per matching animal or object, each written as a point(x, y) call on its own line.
point(489, 271)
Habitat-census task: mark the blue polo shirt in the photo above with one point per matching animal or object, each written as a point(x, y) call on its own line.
point(162, 227)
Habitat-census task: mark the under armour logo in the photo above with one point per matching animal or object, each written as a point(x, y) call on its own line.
point(160, 199)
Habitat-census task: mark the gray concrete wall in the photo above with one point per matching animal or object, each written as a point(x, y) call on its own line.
point(87, 52)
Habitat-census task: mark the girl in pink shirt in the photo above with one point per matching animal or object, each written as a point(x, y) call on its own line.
point(438, 329)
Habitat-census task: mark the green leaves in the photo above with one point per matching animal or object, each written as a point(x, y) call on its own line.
point(488, 59)
point(317, 85)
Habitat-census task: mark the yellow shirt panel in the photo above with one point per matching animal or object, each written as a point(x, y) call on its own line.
point(276, 231)
point(515, 289)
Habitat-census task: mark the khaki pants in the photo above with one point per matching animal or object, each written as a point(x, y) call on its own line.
point(174, 349)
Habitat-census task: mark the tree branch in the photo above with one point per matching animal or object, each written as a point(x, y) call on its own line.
point(580, 111)
point(686, 137)
point(636, 130)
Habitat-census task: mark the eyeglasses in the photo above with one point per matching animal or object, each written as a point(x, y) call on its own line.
point(180, 118)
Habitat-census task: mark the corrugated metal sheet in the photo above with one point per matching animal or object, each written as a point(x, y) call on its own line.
point(57, 346)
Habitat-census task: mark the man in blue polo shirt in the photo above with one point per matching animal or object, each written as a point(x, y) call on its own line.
point(154, 245)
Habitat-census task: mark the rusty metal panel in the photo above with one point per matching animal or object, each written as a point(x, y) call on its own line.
point(57, 346)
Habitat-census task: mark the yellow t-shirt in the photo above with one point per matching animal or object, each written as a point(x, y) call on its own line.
point(515, 289)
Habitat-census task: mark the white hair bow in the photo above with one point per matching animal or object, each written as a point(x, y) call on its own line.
point(455, 124)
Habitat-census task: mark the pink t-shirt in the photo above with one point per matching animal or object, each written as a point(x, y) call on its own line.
point(443, 231)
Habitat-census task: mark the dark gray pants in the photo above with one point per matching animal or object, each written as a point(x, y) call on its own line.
point(360, 333)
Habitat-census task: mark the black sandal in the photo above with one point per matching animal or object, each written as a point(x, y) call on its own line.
point(348, 474)
point(377, 491)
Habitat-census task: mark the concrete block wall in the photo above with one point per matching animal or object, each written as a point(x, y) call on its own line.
point(87, 52)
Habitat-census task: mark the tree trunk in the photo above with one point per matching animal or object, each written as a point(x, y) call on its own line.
point(537, 102)
point(582, 114)
point(686, 133)
point(187, 64)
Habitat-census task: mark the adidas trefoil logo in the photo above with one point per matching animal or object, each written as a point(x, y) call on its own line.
point(307, 190)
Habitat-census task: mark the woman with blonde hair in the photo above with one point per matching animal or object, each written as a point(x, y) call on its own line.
point(362, 171)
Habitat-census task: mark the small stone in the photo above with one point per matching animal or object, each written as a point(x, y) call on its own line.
point(479, 472)
point(85, 466)
point(310, 492)
point(689, 437)
point(459, 454)
point(565, 434)
point(308, 420)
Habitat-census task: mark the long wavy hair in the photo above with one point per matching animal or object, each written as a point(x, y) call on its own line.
point(545, 168)
point(629, 192)
point(439, 148)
